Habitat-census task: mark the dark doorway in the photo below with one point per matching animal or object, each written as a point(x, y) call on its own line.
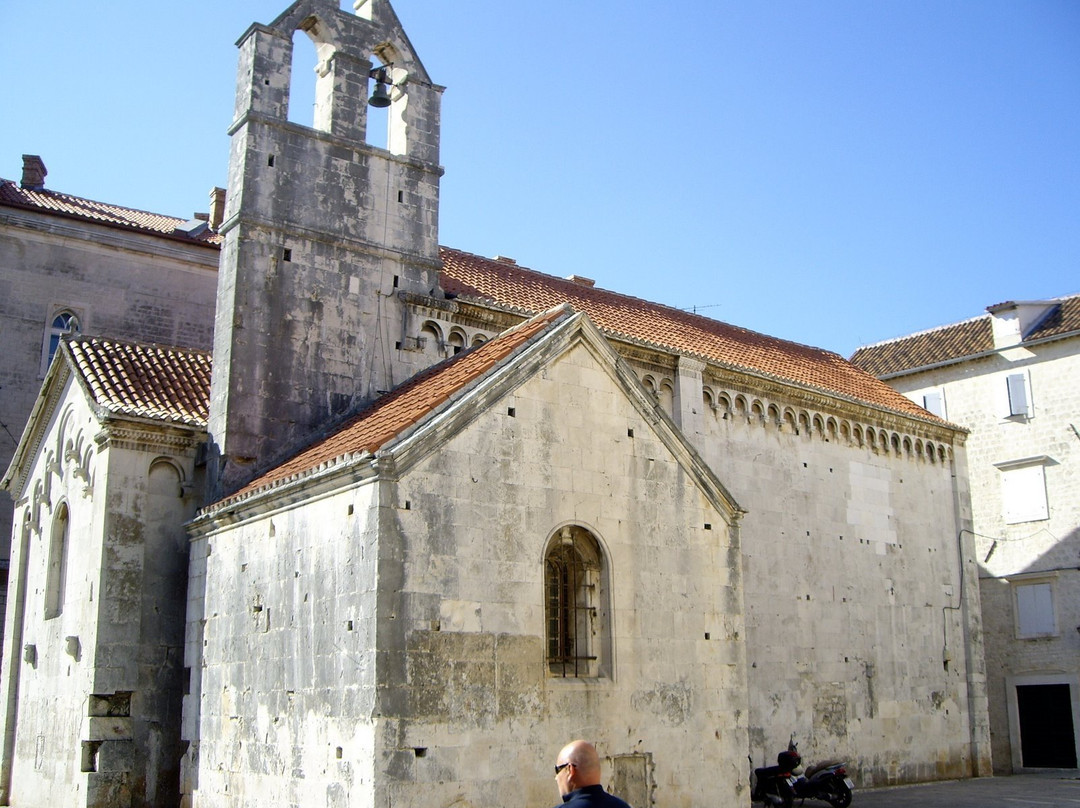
point(1047, 740)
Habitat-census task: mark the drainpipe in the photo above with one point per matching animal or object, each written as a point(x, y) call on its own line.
point(971, 619)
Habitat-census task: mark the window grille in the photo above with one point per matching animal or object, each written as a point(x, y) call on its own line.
point(572, 608)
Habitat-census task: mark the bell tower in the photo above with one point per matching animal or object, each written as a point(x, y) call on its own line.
point(323, 233)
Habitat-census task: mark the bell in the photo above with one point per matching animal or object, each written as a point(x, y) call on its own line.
point(381, 97)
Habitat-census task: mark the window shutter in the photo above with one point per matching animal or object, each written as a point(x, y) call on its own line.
point(933, 402)
point(1024, 492)
point(1018, 400)
point(1035, 609)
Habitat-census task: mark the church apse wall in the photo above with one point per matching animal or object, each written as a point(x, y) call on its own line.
point(858, 636)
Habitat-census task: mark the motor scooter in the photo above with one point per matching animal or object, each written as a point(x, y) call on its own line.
point(826, 781)
point(774, 786)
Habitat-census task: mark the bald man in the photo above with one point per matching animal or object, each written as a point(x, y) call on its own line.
point(577, 773)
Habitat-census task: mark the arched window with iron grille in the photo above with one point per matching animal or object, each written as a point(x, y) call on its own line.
point(575, 590)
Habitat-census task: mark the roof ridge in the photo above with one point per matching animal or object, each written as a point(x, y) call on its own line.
point(681, 313)
point(60, 203)
point(136, 343)
point(77, 198)
point(922, 333)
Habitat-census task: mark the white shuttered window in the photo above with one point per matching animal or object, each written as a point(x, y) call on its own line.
point(1035, 610)
point(1023, 492)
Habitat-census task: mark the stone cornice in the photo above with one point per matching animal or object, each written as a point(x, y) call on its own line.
point(301, 489)
point(149, 437)
point(272, 228)
point(252, 117)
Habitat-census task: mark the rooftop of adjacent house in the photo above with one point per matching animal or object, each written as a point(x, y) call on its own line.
point(395, 413)
point(146, 381)
point(970, 338)
point(31, 194)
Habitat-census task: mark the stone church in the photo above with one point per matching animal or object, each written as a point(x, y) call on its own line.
point(426, 516)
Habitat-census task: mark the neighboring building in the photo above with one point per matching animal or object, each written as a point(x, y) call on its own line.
point(462, 511)
point(70, 265)
point(1012, 377)
point(93, 672)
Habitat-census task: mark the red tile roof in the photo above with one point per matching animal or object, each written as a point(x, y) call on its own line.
point(53, 202)
point(926, 348)
point(148, 381)
point(959, 340)
point(407, 405)
point(509, 285)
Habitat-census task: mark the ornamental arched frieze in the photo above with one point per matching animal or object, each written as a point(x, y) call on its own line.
point(739, 406)
point(661, 388)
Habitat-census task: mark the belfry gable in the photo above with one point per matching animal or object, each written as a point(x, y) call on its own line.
point(373, 28)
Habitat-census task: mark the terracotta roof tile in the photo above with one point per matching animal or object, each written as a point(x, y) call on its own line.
point(959, 340)
point(619, 315)
point(407, 405)
point(926, 348)
point(148, 381)
point(12, 195)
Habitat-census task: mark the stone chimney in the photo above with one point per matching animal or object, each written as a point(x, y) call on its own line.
point(33, 172)
point(217, 207)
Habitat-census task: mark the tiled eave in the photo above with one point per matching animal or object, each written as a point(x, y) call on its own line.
point(393, 418)
point(958, 360)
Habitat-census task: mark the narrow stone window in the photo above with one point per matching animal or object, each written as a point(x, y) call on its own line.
point(456, 341)
point(57, 571)
point(63, 323)
point(575, 589)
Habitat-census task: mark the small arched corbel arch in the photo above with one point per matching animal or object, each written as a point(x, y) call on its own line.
point(831, 430)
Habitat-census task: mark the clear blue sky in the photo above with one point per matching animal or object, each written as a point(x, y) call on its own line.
point(833, 172)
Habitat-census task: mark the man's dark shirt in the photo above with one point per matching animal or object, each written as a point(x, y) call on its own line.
point(592, 797)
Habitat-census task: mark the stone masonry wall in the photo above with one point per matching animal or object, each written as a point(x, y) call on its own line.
point(857, 619)
point(46, 676)
point(93, 685)
point(281, 644)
